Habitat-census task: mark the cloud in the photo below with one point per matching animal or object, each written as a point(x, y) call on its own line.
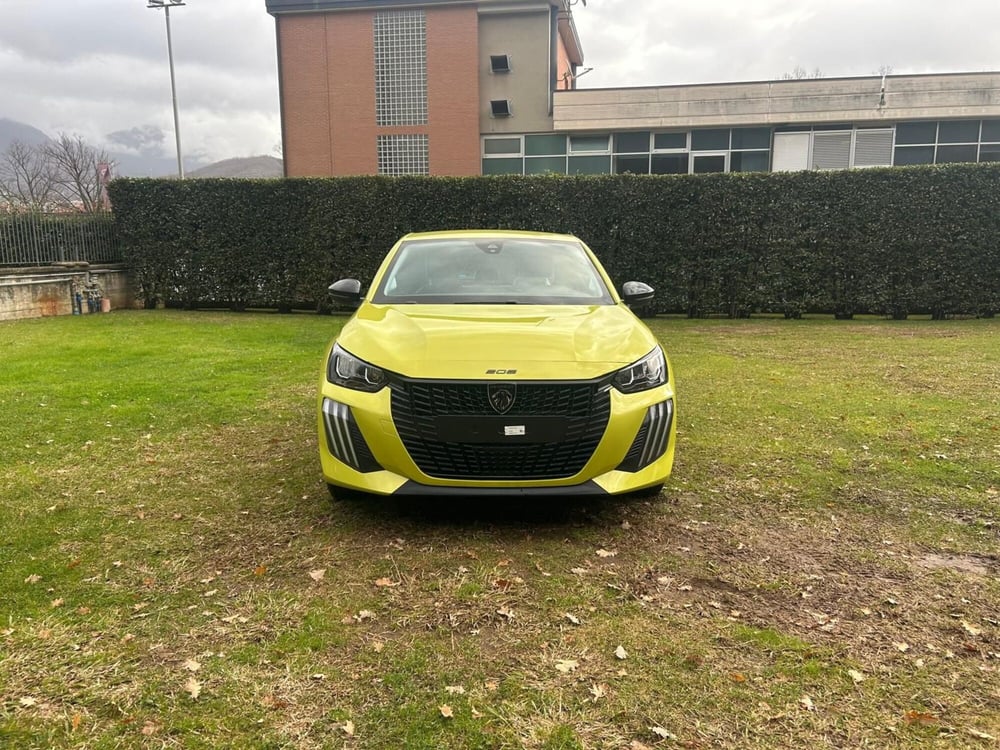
point(146, 140)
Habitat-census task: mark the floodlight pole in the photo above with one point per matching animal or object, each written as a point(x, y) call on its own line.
point(166, 5)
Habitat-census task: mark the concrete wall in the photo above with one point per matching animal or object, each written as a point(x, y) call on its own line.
point(41, 292)
point(808, 101)
point(526, 37)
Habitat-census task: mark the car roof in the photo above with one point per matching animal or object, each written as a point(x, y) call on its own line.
point(473, 233)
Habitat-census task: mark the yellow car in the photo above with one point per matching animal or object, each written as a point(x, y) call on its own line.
point(494, 364)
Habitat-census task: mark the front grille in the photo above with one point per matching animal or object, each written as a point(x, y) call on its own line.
point(344, 439)
point(651, 441)
point(572, 415)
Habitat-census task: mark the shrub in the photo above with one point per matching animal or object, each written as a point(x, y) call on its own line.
point(892, 241)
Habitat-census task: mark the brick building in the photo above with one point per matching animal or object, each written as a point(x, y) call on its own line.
point(467, 87)
point(408, 87)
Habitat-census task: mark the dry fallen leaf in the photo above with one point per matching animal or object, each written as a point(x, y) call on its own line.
point(317, 575)
point(506, 612)
point(57, 603)
point(273, 702)
point(446, 711)
point(607, 552)
point(856, 675)
point(806, 702)
point(150, 728)
point(598, 691)
point(76, 721)
point(663, 733)
point(573, 618)
point(377, 646)
point(27, 701)
point(920, 717)
point(971, 629)
point(191, 665)
point(33, 578)
point(454, 689)
point(579, 571)
point(492, 686)
point(901, 647)
point(365, 614)
point(348, 727)
point(192, 687)
point(385, 583)
point(260, 570)
point(566, 665)
point(980, 735)
point(621, 653)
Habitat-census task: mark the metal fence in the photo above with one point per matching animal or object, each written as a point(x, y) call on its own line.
point(39, 239)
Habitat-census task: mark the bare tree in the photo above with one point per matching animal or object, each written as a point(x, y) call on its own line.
point(77, 166)
point(798, 73)
point(27, 178)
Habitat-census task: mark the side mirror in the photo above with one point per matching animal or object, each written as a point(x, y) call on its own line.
point(635, 292)
point(346, 292)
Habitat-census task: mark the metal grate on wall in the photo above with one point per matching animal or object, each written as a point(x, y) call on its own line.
point(403, 154)
point(401, 68)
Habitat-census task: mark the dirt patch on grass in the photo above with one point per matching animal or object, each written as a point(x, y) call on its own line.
point(970, 564)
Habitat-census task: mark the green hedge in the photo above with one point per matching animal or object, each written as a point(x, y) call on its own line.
point(886, 241)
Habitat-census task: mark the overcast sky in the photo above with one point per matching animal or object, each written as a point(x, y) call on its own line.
point(98, 68)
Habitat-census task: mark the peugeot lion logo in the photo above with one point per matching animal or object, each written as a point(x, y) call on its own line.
point(501, 396)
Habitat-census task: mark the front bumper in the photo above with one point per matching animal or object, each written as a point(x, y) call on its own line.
point(362, 449)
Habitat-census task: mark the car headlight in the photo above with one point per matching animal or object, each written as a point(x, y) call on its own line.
point(648, 372)
point(345, 369)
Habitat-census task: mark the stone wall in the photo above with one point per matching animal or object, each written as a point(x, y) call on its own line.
point(41, 292)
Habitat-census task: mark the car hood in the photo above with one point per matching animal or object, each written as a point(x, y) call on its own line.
point(464, 341)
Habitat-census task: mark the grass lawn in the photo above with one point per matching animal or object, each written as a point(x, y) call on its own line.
point(823, 570)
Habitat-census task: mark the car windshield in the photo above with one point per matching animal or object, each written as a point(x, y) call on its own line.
point(492, 270)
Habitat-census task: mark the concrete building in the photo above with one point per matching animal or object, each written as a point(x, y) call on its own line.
point(464, 87)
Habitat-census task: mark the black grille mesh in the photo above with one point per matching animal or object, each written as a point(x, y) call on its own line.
point(417, 403)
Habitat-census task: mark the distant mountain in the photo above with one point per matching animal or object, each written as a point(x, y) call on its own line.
point(11, 131)
point(250, 166)
point(135, 165)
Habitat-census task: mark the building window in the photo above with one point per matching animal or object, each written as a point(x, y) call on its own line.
point(906, 156)
point(403, 154)
point(400, 68)
point(951, 154)
point(500, 63)
point(991, 131)
point(916, 133)
point(632, 143)
point(589, 165)
point(873, 147)
point(831, 150)
point(632, 164)
point(669, 164)
point(589, 144)
point(751, 138)
point(544, 145)
point(947, 141)
point(710, 140)
point(670, 142)
point(502, 146)
point(958, 131)
point(500, 108)
point(749, 161)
